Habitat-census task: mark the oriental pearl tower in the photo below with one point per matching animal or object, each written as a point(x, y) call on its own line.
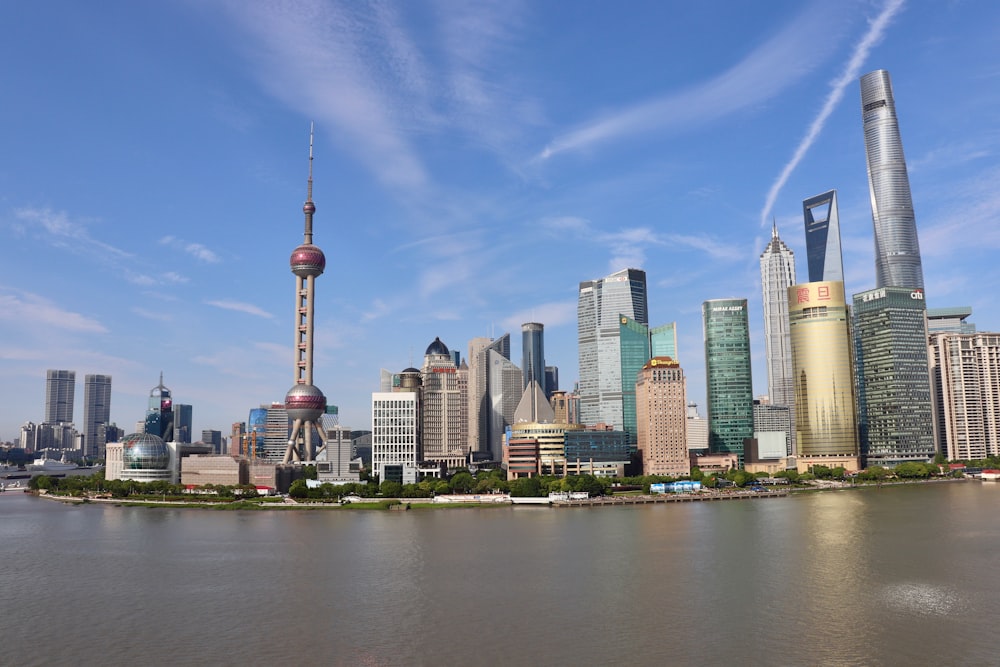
point(305, 403)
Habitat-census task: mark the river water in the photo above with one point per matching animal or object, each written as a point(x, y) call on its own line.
point(892, 576)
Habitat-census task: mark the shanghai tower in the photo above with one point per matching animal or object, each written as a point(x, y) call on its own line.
point(897, 252)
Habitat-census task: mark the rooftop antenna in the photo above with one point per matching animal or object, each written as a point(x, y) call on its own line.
point(309, 207)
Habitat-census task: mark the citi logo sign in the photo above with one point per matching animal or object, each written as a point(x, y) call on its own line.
point(917, 295)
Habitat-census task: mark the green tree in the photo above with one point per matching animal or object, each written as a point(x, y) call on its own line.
point(298, 489)
point(390, 489)
point(461, 482)
point(442, 488)
point(526, 487)
point(309, 471)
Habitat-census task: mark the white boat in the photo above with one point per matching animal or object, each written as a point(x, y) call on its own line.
point(49, 465)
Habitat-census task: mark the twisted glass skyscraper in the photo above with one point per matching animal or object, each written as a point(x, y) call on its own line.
point(897, 252)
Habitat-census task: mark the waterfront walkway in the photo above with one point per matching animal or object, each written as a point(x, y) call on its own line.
point(602, 501)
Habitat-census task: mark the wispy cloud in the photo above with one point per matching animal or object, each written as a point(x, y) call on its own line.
point(241, 307)
point(379, 308)
point(629, 246)
point(154, 315)
point(876, 30)
point(766, 71)
point(319, 58)
point(196, 250)
point(25, 309)
point(551, 314)
point(59, 229)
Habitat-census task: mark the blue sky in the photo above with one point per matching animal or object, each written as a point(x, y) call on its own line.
point(474, 162)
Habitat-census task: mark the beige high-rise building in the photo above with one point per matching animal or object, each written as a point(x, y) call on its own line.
point(661, 418)
point(825, 419)
point(965, 379)
point(444, 407)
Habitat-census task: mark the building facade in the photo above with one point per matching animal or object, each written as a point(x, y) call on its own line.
point(60, 390)
point(728, 377)
point(395, 444)
point(825, 424)
point(485, 438)
point(96, 414)
point(965, 374)
point(661, 412)
point(823, 251)
point(894, 397)
point(183, 422)
point(897, 250)
point(777, 274)
point(503, 395)
point(600, 304)
point(533, 355)
point(160, 413)
point(444, 407)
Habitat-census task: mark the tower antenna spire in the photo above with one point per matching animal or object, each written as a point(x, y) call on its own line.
point(309, 207)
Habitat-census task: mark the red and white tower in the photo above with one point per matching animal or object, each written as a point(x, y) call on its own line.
point(305, 403)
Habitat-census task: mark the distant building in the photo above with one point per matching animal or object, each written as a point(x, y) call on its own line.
point(892, 376)
point(777, 274)
point(897, 250)
point(601, 304)
point(772, 427)
point(395, 448)
point(822, 217)
point(825, 424)
point(697, 430)
point(551, 380)
point(183, 422)
point(533, 355)
point(636, 347)
point(444, 407)
point(551, 440)
point(214, 439)
point(949, 320)
point(493, 394)
point(96, 414)
point(965, 374)
point(336, 462)
point(203, 469)
point(661, 400)
point(60, 389)
point(277, 428)
point(503, 395)
point(160, 413)
point(729, 381)
point(601, 453)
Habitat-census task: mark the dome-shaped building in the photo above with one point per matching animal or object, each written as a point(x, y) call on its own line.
point(437, 347)
point(145, 458)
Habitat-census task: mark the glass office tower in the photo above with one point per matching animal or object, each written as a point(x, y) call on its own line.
point(533, 354)
point(823, 252)
point(728, 378)
point(601, 303)
point(894, 391)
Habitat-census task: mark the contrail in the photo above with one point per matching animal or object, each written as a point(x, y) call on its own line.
point(875, 32)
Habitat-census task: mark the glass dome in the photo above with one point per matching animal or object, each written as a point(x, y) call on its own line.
point(144, 451)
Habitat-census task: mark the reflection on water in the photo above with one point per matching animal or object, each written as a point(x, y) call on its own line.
point(873, 577)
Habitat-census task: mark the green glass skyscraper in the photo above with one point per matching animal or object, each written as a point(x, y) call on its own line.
point(639, 344)
point(728, 380)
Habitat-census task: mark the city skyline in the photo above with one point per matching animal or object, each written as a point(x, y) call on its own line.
point(477, 163)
